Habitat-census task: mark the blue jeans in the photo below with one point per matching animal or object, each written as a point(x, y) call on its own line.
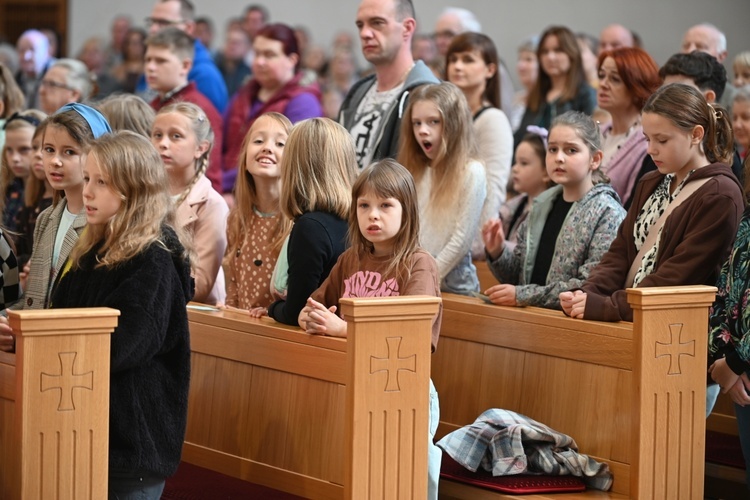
point(134, 486)
point(434, 454)
point(462, 279)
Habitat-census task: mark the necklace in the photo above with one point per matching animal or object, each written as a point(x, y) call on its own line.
point(265, 215)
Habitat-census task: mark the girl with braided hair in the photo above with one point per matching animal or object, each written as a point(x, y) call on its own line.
point(183, 137)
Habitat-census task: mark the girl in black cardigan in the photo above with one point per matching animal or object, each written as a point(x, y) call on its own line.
point(130, 258)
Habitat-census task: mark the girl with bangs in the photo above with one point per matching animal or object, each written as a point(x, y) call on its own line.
point(132, 258)
point(384, 259)
point(438, 148)
point(318, 169)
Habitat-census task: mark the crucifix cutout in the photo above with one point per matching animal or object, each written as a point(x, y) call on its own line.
point(393, 364)
point(675, 349)
point(66, 381)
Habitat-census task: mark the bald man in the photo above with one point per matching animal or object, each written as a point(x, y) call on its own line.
point(707, 38)
point(615, 36)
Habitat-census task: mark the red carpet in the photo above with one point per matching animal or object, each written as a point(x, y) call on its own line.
point(196, 483)
point(724, 449)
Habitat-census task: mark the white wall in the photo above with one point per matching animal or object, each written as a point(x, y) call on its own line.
point(660, 23)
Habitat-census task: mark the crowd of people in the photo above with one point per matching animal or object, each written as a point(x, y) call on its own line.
point(272, 178)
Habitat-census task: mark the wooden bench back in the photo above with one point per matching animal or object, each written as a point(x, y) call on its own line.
point(632, 395)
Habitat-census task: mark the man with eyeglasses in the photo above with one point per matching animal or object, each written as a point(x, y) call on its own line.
point(205, 74)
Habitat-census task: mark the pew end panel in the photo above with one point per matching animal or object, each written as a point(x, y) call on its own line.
point(601, 383)
point(59, 429)
point(271, 404)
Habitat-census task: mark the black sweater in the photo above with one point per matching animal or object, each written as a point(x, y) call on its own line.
point(150, 351)
point(315, 243)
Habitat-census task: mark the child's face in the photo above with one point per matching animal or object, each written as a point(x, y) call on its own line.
point(173, 137)
point(553, 60)
point(37, 163)
point(18, 151)
point(740, 123)
point(468, 71)
point(741, 75)
point(527, 68)
point(528, 173)
point(265, 148)
point(569, 160)
point(63, 159)
point(427, 124)
point(164, 70)
point(379, 221)
point(101, 201)
point(672, 149)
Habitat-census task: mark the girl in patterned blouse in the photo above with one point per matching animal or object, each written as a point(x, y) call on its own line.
point(690, 142)
point(256, 228)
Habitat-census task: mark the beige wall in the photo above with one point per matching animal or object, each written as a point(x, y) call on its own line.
point(659, 22)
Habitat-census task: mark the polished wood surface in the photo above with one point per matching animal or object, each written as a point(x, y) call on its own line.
point(54, 402)
point(631, 395)
point(273, 405)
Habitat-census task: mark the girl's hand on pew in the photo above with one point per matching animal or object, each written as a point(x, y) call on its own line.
point(739, 391)
point(322, 321)
point(723, 375)
point(7, 341)
point(573, 303)
point(494, 237)
point(502, 295)
point(258, 312)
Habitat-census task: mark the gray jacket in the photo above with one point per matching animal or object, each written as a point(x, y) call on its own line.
point(386, 145)
point(588, 230)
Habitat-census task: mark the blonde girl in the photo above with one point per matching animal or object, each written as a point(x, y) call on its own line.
point(741, 67)
point(569, 228)
point(183, 137)
point(37, 198)
point(68, 134)
point(438, 148)
point(131, 258)
point(128, 112)
point(16, 165)
point(317, 172)
point(384, 259)
point(528, 178)
point(683, 219)
point(256, 229)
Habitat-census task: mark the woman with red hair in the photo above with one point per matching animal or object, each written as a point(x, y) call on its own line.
point(276, 86)
point(627, 78)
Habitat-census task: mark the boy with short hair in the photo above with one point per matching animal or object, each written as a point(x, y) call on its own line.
point(169, 57)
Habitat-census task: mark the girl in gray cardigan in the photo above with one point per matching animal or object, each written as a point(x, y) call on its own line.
point(569, 228)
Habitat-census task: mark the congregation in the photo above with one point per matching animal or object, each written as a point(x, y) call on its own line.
point(272, 177)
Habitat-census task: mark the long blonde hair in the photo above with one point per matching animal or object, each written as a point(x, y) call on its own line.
point(457, 144)
point(245, 195)
point(203, 132)
point(318, 169)
point(133, 169)
point(389, 179)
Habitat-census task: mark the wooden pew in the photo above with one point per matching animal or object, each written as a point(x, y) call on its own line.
point(54, 405)
point(631, 394)
point(319, 417)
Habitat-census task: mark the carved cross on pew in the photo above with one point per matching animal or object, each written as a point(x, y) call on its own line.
point(675, 350)
point(66, 381)
point(393, 363)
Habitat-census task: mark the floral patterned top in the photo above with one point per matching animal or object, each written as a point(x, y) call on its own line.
point(249, 270)
point(654, 207)
point(729, 320)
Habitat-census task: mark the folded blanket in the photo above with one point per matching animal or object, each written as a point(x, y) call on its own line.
point(507, 443)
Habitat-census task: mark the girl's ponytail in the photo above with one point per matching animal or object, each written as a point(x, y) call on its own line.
point(718, 141)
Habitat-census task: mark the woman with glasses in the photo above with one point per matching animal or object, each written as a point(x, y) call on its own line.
point(67, 80)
